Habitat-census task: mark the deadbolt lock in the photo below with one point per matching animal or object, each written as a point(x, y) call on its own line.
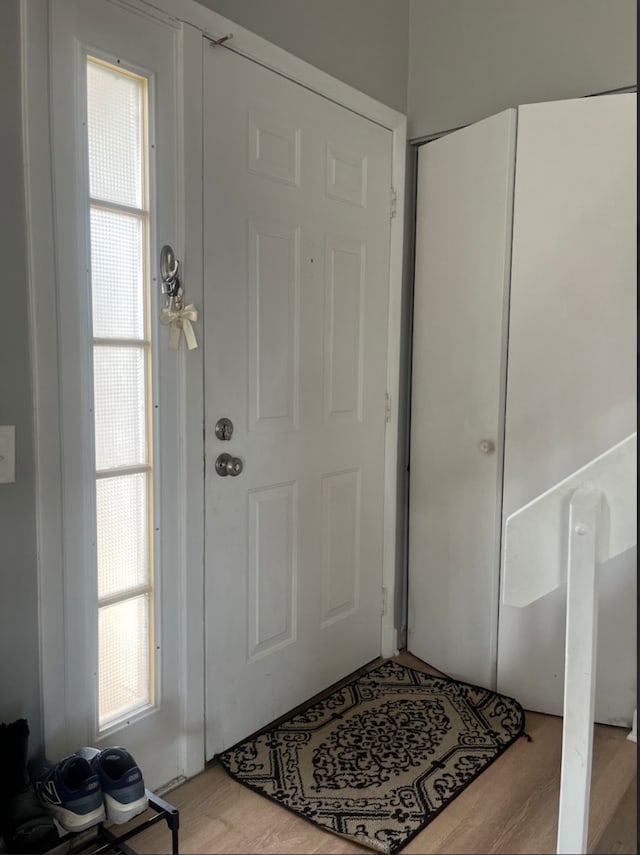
point(224, 428)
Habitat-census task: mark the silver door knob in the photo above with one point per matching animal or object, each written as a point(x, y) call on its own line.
point(228, 465)
point(486, 446)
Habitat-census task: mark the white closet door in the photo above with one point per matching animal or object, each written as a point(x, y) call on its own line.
point(571, 389)
point(461, 287)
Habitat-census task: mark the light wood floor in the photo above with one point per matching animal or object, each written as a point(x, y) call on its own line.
point(511, 808)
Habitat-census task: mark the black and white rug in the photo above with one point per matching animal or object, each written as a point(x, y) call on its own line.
point(379, 758)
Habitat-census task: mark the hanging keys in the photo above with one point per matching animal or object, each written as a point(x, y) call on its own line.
point(178, 317)
point(169, 267)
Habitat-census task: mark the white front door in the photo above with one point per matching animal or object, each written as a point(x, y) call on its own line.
point(296, 233)
point(463, 232)
point(115, 172)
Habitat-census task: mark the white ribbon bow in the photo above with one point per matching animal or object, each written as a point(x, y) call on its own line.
point(179, 320)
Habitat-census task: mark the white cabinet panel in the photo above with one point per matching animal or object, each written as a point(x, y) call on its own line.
point(571, 387)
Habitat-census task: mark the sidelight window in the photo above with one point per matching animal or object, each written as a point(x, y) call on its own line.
point(118, 199)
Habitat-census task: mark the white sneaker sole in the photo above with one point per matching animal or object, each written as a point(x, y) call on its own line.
point(119, 813)
point(71, 821)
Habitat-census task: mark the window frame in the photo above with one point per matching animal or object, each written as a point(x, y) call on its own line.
point(146, 215)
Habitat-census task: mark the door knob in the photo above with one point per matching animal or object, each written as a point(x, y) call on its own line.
point(486, 446)
point(228, 465)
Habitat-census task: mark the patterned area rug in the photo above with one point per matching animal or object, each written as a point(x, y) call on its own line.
point(378, 759)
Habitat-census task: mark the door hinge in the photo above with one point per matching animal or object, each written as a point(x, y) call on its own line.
point(385, 600)
point(394, 202)
point(387, 408)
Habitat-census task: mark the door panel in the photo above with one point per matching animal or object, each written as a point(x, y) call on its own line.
point(274, 305)
point(297, 230)
point(571, 389)
point(463, 231)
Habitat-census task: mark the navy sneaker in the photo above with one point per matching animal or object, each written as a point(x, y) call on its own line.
point(121, 781)
point(70, 790)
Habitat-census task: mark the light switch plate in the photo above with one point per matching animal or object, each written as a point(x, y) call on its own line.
point(7, 454)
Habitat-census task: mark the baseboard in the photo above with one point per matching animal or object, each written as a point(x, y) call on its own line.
point(633, 736)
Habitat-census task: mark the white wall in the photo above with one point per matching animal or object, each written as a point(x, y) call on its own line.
point(362, 42)
point(472, 58)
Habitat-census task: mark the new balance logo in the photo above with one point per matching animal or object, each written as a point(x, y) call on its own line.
point(49, 792)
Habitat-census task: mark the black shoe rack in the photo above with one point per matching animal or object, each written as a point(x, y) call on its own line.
point(107, 841)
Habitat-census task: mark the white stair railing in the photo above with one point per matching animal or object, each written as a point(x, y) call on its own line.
point(561, 536)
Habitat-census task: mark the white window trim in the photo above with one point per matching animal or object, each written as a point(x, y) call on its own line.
point(195, 20)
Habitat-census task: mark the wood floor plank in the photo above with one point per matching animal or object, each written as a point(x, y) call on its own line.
point(621, 834)
point(512, 807)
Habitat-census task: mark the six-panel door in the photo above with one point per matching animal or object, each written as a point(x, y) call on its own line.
point(296, 230)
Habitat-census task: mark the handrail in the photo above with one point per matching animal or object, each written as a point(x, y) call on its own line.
point(583, 520)
point(534, 553)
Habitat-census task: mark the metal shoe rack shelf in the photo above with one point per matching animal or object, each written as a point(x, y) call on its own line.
point(107, 841)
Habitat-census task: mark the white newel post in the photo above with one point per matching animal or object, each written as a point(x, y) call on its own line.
point(579, 671)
